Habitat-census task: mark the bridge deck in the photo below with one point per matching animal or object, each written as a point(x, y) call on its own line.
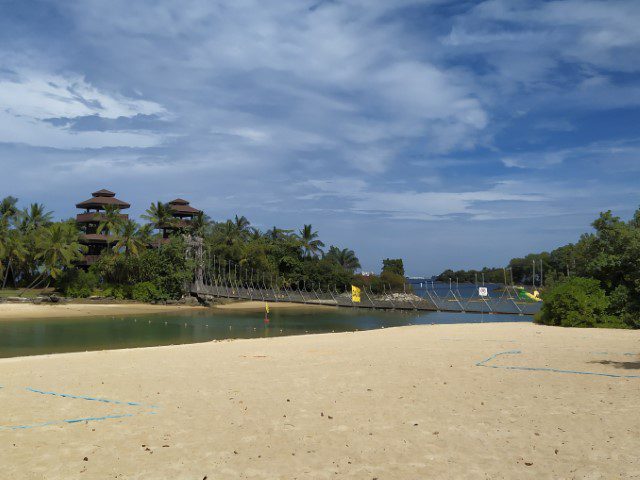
point(502, 305)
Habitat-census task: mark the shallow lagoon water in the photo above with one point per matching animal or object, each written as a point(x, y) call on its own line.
point(58, 335)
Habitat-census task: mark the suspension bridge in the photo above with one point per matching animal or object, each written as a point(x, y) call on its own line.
point(215, 278)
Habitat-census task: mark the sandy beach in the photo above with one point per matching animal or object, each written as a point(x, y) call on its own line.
point(398, 403)
point(17, 311)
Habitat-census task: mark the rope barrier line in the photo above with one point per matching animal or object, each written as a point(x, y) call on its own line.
point(84, 397)
point(152, 411)
point(483, 363)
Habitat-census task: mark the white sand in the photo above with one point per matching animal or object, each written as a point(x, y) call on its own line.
point(17, 311)
point(402, 403)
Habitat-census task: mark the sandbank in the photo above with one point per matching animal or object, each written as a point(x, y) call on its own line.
point(18, 311)
point(399, 403)
point(260, 305)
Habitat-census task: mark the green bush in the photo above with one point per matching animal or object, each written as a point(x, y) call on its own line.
point(576, 302)
point(119, 292)
point(146, 292)
point(77, 283)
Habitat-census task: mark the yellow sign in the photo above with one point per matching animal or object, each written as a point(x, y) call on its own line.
point(355, 294)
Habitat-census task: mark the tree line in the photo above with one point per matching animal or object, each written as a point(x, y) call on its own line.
point(36, 251)
point(593, 282)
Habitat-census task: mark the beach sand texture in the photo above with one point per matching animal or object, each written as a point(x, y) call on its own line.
point(402, 403)
point(17, 311)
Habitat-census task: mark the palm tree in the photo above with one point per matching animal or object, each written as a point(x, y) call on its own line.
point(8, 207)
point(229, 233)
point(277, 233)
point(111, 220)
point(311, 245)
point(129, 239)
point(255, 234)
point(14, 251)
point(242, 226)
point(198, 224)
point(160, 215)
point(58, 248)
point(145, 234)
point(346, 258)
point(35, 216)
point(4, 237)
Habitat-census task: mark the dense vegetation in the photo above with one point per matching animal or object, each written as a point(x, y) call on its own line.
point(594, 282)
point(35, 251)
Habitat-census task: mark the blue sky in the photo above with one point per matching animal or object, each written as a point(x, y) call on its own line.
point(451, 134)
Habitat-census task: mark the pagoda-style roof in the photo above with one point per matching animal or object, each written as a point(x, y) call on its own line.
point(102, 198)
point(181, 207)
point(104, 193)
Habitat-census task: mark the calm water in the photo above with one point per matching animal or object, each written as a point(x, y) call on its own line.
point(466, 290)
point(56, 335)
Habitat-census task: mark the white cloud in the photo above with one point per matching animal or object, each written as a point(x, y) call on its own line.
point(334, 73)
point(29, 97)
point(41, 96)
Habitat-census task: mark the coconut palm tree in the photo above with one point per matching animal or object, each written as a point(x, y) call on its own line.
point(35, 216)
point(199, 224)
point(111, 221)
point(145, 234)
point(243, 226)
point(129, 240)
point(277, 233)
point(4, 237)
point(346, 258)
point(14, 251)
point(58, 248)
point(160, 215)
point(229, 233)
point(309, 242)
point(255, 235)
point(8, 207)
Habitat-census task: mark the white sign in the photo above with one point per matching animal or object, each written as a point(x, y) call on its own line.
point(483, 291)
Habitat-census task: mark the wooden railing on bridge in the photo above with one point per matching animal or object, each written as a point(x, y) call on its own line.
point(507, 303)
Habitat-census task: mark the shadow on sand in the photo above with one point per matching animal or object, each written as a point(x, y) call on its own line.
point(625, 365)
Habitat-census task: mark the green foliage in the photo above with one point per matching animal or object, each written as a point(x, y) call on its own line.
point(345, 258)
point(119, 292)
point(610, 255)
point(576, 302)
point(147, 292)
point(138, 264)
point(393, 265)
point(166, 267)
point(77, 283)
point(394, 281)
